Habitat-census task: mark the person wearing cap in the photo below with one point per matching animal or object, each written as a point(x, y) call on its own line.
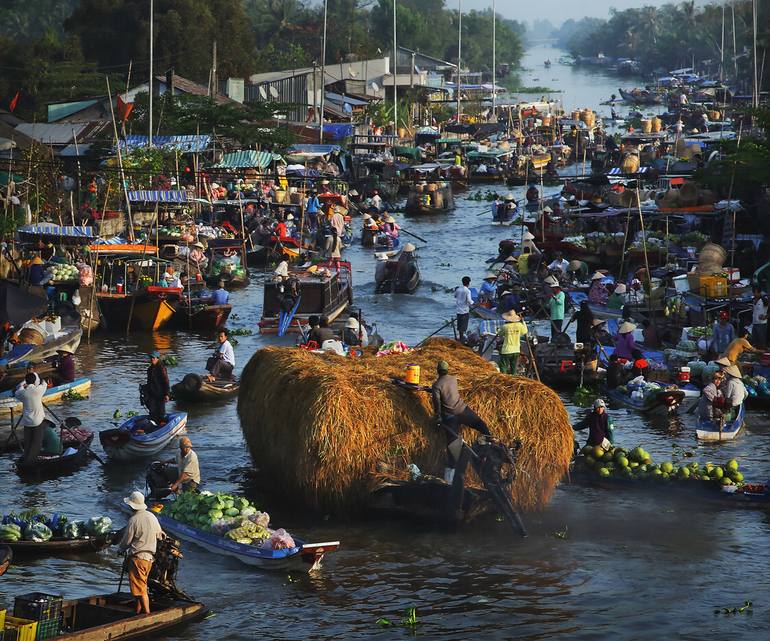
point(156, 391)
point(488, 290)
point(452, 413)
point(722, 333)
point(355, 333)
point(510, 349)
point(222, 363)
point(65, 366)
point(599, 426)
point(188, 471)
point(463, 304)
point(711, 402)
point(559, 264)
point(733, 390)
point(555, 306)
point(618, 297)
point(139, 541)
point(36, 271)
point(220, 295)
point(597, 293)
point(625, 345)
point(739, 345)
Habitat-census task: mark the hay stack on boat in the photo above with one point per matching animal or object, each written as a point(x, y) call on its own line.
point(320, 424)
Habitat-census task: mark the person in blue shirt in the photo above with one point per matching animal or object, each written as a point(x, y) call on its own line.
point(488, 290)
point(312, 207)
point(37, 271)
point(220, 295)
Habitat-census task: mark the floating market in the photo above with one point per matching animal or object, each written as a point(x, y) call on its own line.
point(370, 320)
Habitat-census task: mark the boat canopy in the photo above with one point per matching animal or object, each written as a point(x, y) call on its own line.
point(312, 151)
point(407, 152)
point(489, 154)
point(248, 159)
point(426, 168)
point(56, 233)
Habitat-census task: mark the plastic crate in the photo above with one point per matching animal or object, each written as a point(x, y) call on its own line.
point(38, 606)
point(48, 629)
point(19, 629)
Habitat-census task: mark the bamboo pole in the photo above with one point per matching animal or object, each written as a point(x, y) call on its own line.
point(120, 159)
point(95, 263)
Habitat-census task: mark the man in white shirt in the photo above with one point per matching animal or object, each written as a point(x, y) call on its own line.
point(559, 263)
point(222, 363)
point(376, 200)
point(30, 393)
point(759, 319)
point(463, 303)
point(187, 468)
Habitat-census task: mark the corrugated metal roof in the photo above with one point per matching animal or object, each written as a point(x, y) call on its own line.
point(247, 159)
point(52, 133)
point(57, 111)
point(185, 144)
point(74, 150)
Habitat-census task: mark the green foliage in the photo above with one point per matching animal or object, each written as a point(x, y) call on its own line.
point(32, 19)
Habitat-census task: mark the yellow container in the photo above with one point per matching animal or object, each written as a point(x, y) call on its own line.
point(2, 619)
point(412, 375)
point(26, 630)
point(713, 286)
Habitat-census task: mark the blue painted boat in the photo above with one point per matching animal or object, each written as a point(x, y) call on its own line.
point(132, 441)
point(708, 430)
point(78, 386)
point(664, 401)
point(304, 556)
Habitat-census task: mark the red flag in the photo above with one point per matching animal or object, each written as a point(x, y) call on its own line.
point(124, 109)
point(14, 101)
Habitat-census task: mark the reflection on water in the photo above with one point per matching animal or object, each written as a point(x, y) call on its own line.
point(633, 565)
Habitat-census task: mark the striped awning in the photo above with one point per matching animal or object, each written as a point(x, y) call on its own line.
point(57, 230)
point(247, 159)
point(617, 171)
point(148, 196)
point(185, 144)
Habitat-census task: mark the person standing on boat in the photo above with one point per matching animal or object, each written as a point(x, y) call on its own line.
point(711, 400)
point(510, 350)
point(139, 542)
point(222, 363)
point(555, 306)
point(488, 289)
point(30, 393)
point(532, 195)
point(463, 304)
point(734, 391)
point(157, 389)
point(737, 347)
point(65, 366)
point(759, 318)
point(577, 270)
point(220, 295)
point(312, 206)
point(452, 413)
point(625, 344)
point(722, 334)
point(585, 318)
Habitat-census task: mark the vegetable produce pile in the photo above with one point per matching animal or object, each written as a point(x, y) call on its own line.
point(639, 389)
point(756, 386)
point(637, 464)
point(58, 273)
point(596, 241)
point(226, 515)
point(30, 526)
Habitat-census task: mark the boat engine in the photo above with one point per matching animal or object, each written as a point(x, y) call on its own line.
point(162, 579)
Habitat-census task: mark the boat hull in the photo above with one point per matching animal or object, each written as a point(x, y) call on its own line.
point(59, 546)
point(199, 390)
point(122, 446)
point(148, 314)
point(709, 430)
point(78, 386)
point(202, 318)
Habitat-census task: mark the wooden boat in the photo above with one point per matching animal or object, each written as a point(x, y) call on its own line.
point(58, 547)
point(320, 293)
point(112, 617)
point(68, 339)
point(130, 441)
point(305, 556)
point(708, 430)
point(201, 317)
point(227, 262)
point(150, 308)
point(78, 386)
point(194, 388)
point(15, 375)
point(399, 274)
point(420, 201)
point(53, 466)
point(494, 160)
point(639, 99)
point(665, 400)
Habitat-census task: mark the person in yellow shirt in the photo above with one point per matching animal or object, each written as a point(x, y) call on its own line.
point(511, 333)
point(522, 262)
point(738, 346)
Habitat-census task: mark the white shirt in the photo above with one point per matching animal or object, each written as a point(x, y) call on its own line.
point(376, 201)
point(227, 352)
point(463, 300)
point(31, 397)
point(189, 464)
point(561, 265)
point(760, 310)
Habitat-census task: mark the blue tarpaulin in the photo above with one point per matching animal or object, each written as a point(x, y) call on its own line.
point(146, 196)
point(338, 131)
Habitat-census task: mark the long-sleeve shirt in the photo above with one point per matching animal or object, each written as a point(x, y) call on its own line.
point(446, 396)
point(141, 535)
point(625, 345)
point(227, 352)
point(157, 381)
point(598, 428)
point(31, 397)
point(722, 336)
point(734, 391)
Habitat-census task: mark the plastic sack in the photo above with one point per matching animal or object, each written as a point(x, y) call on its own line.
point(99, 525)
point(38, 532)
point(74, 530)
point(86, 275)
point(262, 519)
point(281, 540)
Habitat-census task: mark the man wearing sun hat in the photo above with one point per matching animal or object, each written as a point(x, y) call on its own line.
point(139, 541)
point(511, 333)
point(555, 306)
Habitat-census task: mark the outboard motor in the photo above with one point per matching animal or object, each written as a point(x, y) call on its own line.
point(162, 579)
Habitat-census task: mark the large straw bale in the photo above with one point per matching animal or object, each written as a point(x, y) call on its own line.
point(320, 424)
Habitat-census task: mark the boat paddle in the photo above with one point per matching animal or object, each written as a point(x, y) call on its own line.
point(413, 234)
point(88, 448)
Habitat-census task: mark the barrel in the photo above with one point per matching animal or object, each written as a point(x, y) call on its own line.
point(412, 375)
point(576, 115)
point(647, 126)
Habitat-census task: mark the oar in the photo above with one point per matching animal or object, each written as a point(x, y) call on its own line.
point(88, 449)
point(413, 234)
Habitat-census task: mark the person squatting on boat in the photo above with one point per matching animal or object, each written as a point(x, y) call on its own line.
point(221, 364)
point(452, 413)
point(187, 469)
point(712, 400)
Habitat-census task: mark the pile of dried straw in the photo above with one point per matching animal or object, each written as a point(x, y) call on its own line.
point(319, 425)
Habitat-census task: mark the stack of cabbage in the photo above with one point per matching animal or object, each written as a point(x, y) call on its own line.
point(206, 510)
point(41, 527)
point(756, 386)
point(637, 464)
point(57, 273)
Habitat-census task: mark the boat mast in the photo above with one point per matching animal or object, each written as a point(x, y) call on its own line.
point(494, 59)
point(459, 52)
point(395, 73)
point(323, 76)
point(149, 119)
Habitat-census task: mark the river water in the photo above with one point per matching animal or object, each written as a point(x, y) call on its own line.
point(627, 565)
